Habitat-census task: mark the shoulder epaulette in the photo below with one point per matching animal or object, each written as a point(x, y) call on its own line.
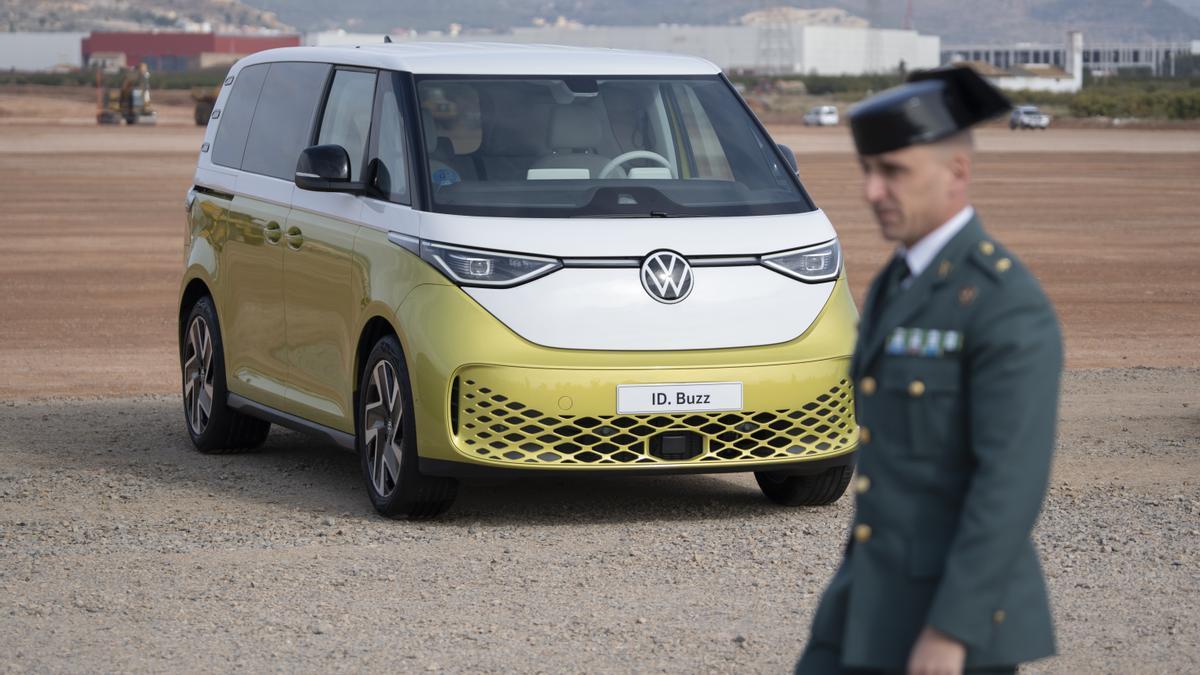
point(992, 259)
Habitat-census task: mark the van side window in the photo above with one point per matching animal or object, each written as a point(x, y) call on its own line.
point(347, 118)
point(391, 144)
point(283, 118)
point(234, 126)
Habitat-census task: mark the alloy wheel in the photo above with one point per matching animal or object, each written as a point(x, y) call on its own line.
point(382, 426)
point(198, 375)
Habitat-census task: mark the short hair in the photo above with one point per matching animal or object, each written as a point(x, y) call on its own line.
point(962, 141)
point(962, 138)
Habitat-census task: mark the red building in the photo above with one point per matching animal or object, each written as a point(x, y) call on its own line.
point(181, 51)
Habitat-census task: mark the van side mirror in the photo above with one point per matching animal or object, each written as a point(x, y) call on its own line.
point(790, 157)
point(325, 168)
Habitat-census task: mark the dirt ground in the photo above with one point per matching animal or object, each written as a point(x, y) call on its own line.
point(93, 235)
point(123, 549)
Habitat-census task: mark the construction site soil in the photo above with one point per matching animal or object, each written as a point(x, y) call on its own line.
point(93, 237)
point(120, 548)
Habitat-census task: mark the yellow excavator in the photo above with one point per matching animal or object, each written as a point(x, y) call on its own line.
point(206, 99)
point(130, 103)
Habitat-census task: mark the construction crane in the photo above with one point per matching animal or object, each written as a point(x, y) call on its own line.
point(908, 15)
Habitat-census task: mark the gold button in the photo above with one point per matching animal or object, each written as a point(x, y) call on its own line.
point(998, 617)
point(867, 385)
point(1003, 264)
point(862, 533)
point(862, 484)
point(944, 269)
point(986, 247)
point(864, 435)
point(916, 388)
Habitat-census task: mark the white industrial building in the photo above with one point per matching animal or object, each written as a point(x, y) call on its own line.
point(769, 47)
point(1098, 58)
point(40, 51)
point(1066, 78)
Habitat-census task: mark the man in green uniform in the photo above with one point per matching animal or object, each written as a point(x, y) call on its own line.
point(957, 371)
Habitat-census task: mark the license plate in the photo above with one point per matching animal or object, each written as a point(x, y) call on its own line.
point(633, 399)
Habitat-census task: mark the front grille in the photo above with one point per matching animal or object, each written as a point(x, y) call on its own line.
point(497, 427)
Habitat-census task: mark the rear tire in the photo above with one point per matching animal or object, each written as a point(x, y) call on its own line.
point(387, 440)
point(213, 426)
point(816, 490)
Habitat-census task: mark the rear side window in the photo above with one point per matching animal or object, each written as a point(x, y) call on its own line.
point(283, 118)
point(347, 119)
point(234, 126)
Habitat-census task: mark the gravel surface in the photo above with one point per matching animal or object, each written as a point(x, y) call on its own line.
point(123, 549)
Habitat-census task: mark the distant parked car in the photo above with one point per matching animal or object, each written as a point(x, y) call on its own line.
point(1028, 117)
point(821, 116)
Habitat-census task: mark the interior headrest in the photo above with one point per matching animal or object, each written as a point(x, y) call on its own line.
point(574, 126)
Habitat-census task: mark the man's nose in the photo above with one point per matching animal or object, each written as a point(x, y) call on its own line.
point(873, 187)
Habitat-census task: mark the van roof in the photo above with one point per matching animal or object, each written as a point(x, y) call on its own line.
point(493, 58)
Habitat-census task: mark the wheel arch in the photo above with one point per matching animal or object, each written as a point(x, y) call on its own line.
point(376, 327)
point(193, 290)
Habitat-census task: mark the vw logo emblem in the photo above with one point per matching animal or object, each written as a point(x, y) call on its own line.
point(667, 276)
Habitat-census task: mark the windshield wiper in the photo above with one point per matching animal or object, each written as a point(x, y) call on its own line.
point(651, 214)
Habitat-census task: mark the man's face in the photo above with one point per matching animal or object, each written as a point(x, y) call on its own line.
point(911, 191)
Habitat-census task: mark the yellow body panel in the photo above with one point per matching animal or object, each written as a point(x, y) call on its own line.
point(320, 312)
point(245, 272)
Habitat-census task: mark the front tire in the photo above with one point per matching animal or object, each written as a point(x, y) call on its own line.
point(213, 426)
point(387, 440)
point(798, 490)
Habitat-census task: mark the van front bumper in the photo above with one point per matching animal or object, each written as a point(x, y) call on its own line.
point(485, 399)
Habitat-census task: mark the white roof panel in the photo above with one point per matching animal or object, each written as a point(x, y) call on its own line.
point(493, 58)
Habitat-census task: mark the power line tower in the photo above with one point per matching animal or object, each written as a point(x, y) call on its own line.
point(776, 50)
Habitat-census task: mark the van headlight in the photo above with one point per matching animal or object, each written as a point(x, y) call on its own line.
point(812, 264)
point(473, 267)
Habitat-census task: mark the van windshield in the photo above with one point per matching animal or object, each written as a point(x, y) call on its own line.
point(599, 147)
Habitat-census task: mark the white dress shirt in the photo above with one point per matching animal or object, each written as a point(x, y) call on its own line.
point(922, 253)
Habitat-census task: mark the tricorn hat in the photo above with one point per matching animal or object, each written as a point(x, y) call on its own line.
point(932, 105)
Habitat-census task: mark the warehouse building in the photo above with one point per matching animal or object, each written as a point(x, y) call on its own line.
point(767, 47)
point(177, 51)
point(1099, 58)
point(40, 51)
point(1066, 78)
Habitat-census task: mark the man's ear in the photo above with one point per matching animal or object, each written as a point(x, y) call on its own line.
point(960, 165)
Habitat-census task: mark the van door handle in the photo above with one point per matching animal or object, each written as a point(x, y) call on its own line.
point(295, 238)
point(272, 232)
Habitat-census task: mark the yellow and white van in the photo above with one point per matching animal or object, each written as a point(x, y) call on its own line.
point(455, 258)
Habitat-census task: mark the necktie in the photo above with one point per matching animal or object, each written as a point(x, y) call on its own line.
point(895, 273)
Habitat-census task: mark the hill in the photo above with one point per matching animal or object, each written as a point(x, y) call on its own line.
point(89, 15)
point(997, 21)
point(954, 20)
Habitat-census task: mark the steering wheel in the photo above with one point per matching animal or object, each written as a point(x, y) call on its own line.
point(635, 154)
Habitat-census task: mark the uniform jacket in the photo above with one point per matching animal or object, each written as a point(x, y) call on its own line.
point(957, 380)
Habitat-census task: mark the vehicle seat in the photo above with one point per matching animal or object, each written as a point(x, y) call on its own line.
point(575, 132)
